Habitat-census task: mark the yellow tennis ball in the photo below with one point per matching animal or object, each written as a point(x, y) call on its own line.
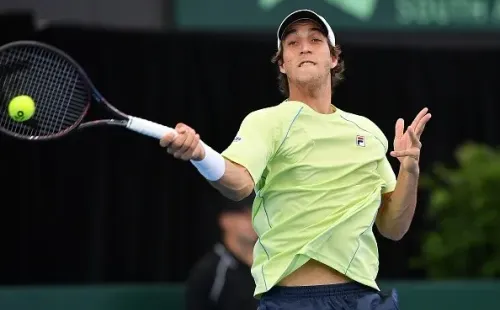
point(21, 108)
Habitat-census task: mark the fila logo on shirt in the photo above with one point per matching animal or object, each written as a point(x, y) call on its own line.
point(360, 141)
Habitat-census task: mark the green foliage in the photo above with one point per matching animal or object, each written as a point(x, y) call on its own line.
point(465, 209)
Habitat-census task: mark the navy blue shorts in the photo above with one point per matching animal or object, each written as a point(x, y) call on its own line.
point(349, 296)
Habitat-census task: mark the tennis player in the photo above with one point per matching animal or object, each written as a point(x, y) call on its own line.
point(321, 178)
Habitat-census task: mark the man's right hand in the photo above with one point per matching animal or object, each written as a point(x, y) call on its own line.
point(185, 145)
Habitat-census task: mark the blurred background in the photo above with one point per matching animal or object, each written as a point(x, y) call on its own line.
point(106, 220)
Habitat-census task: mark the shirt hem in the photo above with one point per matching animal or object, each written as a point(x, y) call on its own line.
point(345, 271)
point(260, 290)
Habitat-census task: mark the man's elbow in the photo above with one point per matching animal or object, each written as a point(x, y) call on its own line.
point(395, 237)
point(392, 233)
point(240, 194)
point(389, 230)
point(237, 186)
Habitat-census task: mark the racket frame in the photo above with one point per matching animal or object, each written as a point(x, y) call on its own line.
point(136, 124)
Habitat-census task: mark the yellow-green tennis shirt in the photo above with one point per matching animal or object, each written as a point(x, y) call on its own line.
point(318, 181)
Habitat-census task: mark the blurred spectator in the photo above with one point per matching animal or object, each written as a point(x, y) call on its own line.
point(222, 280)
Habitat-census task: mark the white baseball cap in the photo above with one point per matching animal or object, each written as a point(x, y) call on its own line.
point(305, 14)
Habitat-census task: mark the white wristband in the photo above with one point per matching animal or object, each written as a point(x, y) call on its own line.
point(213, 166)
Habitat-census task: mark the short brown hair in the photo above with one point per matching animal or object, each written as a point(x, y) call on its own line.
point(337, 73)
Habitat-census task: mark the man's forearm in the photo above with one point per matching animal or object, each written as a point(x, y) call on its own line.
point(230, 179)
point(236, 183)
point(397, 212)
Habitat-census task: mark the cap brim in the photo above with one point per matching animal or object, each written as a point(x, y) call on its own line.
point(300, 15)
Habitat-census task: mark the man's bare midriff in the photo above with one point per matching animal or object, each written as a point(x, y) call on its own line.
point(314, 273)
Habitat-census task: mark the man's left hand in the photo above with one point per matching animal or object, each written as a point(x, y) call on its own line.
point(407, 144)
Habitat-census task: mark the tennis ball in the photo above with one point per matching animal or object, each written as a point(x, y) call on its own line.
point(21, 108)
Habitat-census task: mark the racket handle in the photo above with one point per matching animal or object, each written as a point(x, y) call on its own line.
point(148, 128)
point(211, 167)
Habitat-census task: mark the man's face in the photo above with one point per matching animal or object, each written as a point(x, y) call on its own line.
point(239, 225)
point(244, 229)
point(306, 54)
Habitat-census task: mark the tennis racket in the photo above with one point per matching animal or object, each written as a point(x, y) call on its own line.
point(62, 92)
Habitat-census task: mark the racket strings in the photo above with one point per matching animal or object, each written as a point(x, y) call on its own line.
point(61, 96)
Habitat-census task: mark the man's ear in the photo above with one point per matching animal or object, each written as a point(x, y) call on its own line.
point(335, 62)
point(224, 221)
point(282, 69)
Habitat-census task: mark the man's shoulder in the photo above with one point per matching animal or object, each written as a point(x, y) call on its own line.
point(206, 265)
point(366, 124)
point(363, 122)
point(282, 111)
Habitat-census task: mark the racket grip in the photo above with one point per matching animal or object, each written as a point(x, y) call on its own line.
point(148, 128)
